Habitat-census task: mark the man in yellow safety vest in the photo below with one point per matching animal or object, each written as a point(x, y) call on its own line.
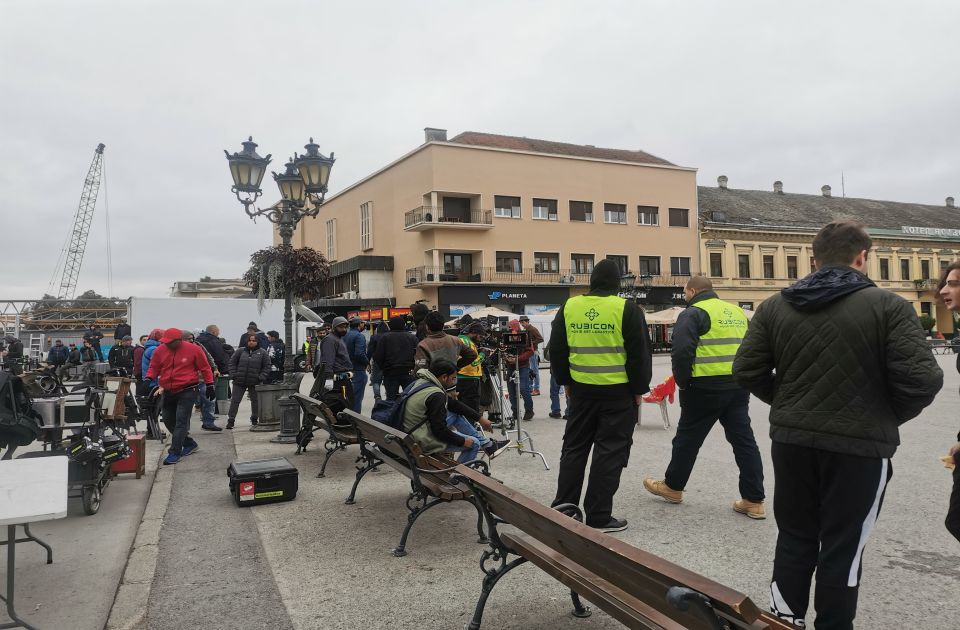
point(600, 352)
point(705, 341)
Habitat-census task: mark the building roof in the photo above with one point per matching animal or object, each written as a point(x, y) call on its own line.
point(758, 207)
point(515, 143)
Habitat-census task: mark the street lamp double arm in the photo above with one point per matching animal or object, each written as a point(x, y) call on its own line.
point(303, 180)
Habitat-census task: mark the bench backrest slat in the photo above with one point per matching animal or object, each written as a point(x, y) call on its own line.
point(642, 574)
point(376, 432)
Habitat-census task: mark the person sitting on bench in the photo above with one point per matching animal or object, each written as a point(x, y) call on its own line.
point(439, 423)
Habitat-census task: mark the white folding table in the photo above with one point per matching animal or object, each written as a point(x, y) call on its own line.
point(31, 490)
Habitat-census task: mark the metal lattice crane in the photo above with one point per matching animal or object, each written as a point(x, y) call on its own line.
point(81, 226)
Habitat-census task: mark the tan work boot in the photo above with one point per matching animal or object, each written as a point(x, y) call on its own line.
point(660, 488)
point(751, 509)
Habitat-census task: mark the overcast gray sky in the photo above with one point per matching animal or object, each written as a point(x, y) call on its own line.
point(756, 90)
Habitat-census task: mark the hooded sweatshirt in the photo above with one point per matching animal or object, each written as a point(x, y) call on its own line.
point(841, 362)
point(605, 281)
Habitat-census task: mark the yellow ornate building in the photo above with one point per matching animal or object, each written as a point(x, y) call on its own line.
point(754, 243)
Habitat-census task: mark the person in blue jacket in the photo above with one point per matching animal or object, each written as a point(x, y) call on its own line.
point(153, 342)
point(357, 349)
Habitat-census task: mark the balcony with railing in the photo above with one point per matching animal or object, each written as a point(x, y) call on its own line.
point(429, 218)
point(420, 276)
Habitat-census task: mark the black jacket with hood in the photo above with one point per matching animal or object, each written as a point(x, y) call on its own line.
point(841, 362)
point(604, 281)
point(214, 346)
point(250, 367)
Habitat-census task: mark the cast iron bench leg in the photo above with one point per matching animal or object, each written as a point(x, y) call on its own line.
point(360, 473)
point(330, 452)
point(400, 550)
point(482, 537)
point(489, 582)
point(579, 610)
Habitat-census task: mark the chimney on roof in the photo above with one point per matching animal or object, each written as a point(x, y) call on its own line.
point(434, 135)
point(950, 203)
point(778, 187)
point(722, 182)
point(826, 190)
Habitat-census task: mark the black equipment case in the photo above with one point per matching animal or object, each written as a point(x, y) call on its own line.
point(263, 481)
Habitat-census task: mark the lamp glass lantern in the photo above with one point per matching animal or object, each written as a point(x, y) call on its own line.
point(291, 185)
point(646, 281)
point(247, 168)
point(314, 168)
point(627, 281)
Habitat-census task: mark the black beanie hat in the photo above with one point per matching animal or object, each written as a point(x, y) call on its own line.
point(396, 323)
point(605, 277)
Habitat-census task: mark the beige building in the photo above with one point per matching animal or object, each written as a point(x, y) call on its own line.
point(754, 243)
point(512, 222)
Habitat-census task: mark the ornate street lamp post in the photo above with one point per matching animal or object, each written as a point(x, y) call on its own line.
point(303, 181)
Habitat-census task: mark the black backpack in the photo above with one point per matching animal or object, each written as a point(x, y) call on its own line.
point(390, 412)
point(19, 423)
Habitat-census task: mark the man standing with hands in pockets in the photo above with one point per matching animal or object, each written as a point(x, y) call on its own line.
point(600, 352)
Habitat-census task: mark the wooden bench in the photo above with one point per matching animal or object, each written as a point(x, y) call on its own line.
point(637, 588)
point(317, 415)
point(428, 474)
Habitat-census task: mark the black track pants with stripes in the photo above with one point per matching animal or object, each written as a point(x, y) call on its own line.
point(826, 505)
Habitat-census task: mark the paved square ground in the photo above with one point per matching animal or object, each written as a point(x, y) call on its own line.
point(334, 569)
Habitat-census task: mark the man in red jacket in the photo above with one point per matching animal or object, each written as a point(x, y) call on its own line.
point(175, 365)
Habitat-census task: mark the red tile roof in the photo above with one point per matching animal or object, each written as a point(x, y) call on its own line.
point(515, 143)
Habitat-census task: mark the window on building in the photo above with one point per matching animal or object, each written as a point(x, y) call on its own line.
point(649, 266)
point(581, 263)
point(943, 265)
point(743, 265)
point(545, 209)
point(581, 211)
point(458, 263)
point(716, 264)
point(544, 262)
point(926, 308)
point(331, 239)
point(509, 262)
point(925, 269)
point(621, 263)
point(679, 266)
point(679, 217)
point(768, 265)
point(904, 269)
point(884, 268)
point(506, 207)
point(366, 226)
point(747, 306)
point(648, 215)
point(813, 264)
point(792, 267)
point(615, 213)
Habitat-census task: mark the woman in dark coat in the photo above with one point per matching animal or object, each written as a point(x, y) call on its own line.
point(949, 293)
point(249, 367)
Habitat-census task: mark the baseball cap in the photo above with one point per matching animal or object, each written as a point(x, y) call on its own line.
point(355, 320)
point(524, 318)
point(171, 334)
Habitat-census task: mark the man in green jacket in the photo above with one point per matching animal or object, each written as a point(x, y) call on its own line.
point(842, 364)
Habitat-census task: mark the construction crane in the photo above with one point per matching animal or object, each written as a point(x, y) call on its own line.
point(77, 239)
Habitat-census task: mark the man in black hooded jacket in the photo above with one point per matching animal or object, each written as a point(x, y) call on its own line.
point(843, 364)
point(600, 352)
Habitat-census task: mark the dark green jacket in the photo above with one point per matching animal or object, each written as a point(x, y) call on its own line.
point(841, 362)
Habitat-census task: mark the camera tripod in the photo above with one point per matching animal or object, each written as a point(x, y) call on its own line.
point(496, 411)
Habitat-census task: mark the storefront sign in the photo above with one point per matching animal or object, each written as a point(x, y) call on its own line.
point(495, 296)
point(399, 312)
point(657, 295)
point(927, 231)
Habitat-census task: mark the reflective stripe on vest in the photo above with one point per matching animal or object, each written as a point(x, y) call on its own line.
point(717, 348)
point(595, 336)
point(474, 369)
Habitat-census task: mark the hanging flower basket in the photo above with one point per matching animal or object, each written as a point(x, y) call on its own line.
point(275, 270)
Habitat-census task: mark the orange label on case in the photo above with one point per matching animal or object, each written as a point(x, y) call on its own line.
point(248, 490)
